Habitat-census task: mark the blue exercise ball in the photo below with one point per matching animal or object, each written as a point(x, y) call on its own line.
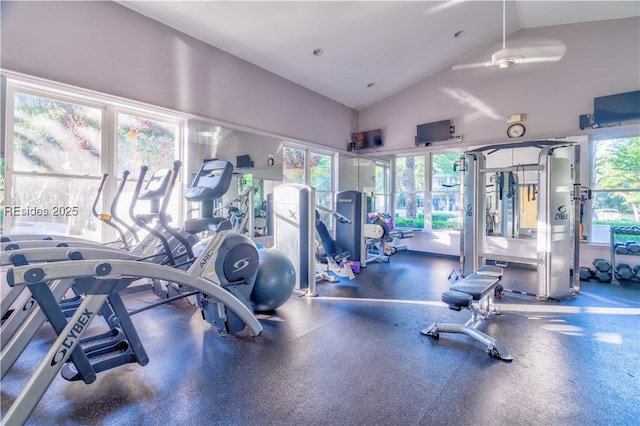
point(275, 281)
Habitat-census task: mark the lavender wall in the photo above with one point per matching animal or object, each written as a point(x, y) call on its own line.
point(602, 58)
point(108, 48)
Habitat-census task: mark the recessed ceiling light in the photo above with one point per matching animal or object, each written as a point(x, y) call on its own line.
point(458, 34)
point(318, 52)
point(370, 85)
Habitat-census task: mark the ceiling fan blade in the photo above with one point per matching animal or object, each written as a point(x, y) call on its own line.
point(539, 59)
point(521, 51)
point(553, 52)
point(471, 65)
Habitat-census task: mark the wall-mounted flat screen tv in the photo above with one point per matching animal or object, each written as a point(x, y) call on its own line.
point(438, 131)
point(368, 139)
point(614, 108)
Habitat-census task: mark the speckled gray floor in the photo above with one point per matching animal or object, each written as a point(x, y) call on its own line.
point(354, 356)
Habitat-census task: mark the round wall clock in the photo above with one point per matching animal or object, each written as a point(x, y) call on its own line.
point(516, 130)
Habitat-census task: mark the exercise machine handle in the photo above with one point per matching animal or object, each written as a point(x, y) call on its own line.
point(136, 193)
point(114, 210)
point(164, 218)
point(169, 189)
point(140, 222)
point(94, 206)
point(106, 218)
point(337, 215)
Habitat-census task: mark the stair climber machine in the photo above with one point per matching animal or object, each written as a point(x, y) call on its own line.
point(222, 274)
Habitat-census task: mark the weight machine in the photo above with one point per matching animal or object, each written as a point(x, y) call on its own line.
point(296, 234)
point(494, 202)
point(367, 236)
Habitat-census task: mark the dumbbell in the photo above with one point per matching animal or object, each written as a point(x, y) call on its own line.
point(621, 248)
point(605, 277)
point(633, 247)
point(636, 270)
point(623, 271)
point(585, 273)
point(601, 265)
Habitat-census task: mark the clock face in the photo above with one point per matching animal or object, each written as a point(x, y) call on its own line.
point(515, 130)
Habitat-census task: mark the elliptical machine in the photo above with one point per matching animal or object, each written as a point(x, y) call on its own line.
point(231, 259)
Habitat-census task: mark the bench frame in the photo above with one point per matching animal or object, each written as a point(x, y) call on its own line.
point(481, 310)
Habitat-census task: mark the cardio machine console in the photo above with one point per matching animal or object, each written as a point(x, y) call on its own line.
point(212, 181)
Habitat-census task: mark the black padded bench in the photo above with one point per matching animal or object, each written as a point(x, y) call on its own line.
point(476, 293)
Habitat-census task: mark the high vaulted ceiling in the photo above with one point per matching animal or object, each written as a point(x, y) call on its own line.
point(387, 45)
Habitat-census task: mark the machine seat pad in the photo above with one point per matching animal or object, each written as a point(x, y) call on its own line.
point(476, 285)
point(490, 270)
point(457, 299)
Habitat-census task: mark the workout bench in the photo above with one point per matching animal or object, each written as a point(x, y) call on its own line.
point(476, 293)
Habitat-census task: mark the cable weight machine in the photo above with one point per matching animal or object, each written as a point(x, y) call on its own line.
point(550, 240)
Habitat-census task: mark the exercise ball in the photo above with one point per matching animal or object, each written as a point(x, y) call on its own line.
point(275, 281)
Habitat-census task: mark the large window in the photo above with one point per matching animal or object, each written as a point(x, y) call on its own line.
point(427, 191)
point(144, 141)
point(410, 191)
point(314, 169)
point(320, 177)
point(382, 187)
point(56, 145)
point(59, 146)
point(445, 191)
point(615, 186)
point(293, 168)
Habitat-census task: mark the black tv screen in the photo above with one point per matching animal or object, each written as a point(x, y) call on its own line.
point(433, 132)
point(613, 108)
point(368, 139)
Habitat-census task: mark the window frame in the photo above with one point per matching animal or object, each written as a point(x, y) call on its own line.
point(588, 219)
point(426, 184)
point(110, 107)
point(308, 151)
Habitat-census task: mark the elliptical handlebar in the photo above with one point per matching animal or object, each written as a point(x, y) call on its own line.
point(107, 218)
point(116, 198)
point(136, 193)
point(141, 222)
point(94, 206)
point(169, 189)
point(114, 210)
point(162, 215)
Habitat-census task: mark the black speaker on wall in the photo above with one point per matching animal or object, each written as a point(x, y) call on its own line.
point(585, 121)
point(244, 162)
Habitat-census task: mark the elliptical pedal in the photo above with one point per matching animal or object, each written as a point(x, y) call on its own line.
point(69, 306)
point(104, 340)
point(104, 358)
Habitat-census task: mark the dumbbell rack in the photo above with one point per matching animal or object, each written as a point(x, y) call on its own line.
point(624, 230)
